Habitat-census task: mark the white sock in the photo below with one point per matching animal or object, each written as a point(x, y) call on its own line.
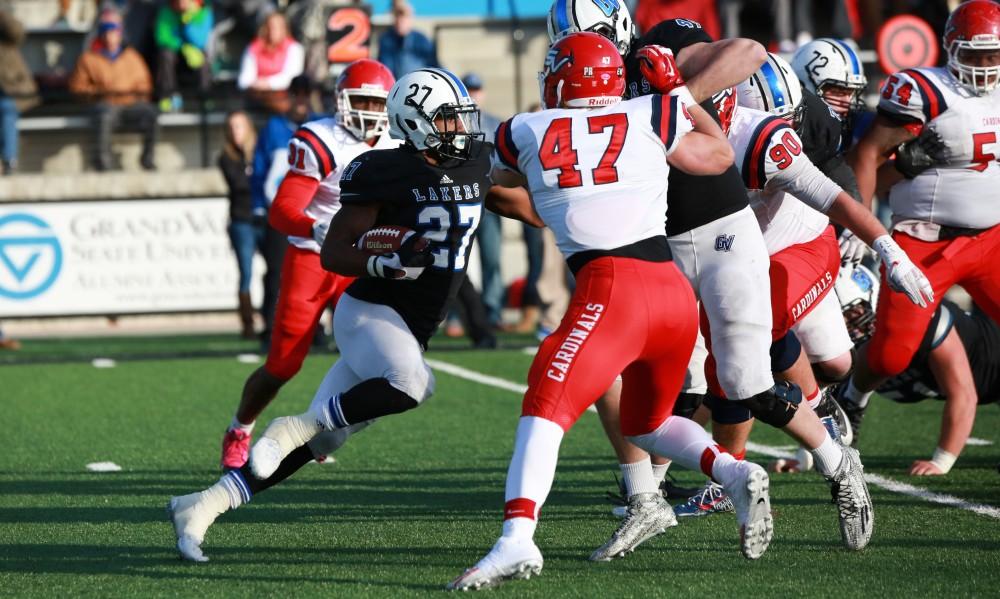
point(813, 400)
point(531, 472)
point(638, 477)
point(660, 472)
point(724, 469)
point(857, 396)
point(520, 528)
point(679, 439)
point(237, 425)
point(229, 493)
point(828, 456)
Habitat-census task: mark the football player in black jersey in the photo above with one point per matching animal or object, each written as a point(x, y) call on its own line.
point(716, 241)
point(958, 361)
point(435, 184)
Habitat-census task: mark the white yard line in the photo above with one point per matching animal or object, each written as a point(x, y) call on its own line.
point(920, 493)
point(769, 450)
point(978, 441)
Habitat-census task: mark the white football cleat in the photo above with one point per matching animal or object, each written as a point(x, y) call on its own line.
point(191, 517)
point(281, 438)
point(750, 497)
point(647, 515)
point(510, 559)
point(854, 503)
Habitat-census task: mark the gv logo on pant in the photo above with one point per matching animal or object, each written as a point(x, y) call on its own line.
point(724, 243)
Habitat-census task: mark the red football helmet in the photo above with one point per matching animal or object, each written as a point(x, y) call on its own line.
point(582, 70)
point(973, 27)
point(368, 79)
point(725, 104)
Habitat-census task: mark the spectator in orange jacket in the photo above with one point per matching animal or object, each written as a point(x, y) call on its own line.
point(115, 77)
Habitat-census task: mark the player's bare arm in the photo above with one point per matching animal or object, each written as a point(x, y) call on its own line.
point(872, 151)
point(339, 253)
point(710, 68)
point(503, 177)
point(845, 211)
point(513, 202)
point(887, 176)
point(951, 369)
point(704, 151)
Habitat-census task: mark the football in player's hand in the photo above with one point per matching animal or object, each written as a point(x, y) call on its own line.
point(387, 239)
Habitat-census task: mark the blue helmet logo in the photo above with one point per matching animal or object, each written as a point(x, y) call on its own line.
point(608, 7)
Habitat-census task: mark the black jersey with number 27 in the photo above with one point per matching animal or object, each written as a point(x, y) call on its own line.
point(442, 202)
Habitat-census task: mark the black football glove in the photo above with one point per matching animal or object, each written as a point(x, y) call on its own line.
point(407, 263)
point(920, 154)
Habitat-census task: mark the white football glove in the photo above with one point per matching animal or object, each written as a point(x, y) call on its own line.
point(902, 274)
point(320, 227)
point(406, 264)
point(852, 249)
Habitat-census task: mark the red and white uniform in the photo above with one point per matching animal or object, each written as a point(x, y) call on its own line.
point(790, 195)
point(310, 192)
point(598, 179)
point(946, 219)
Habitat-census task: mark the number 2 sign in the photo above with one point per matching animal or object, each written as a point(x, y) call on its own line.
point(348, 31)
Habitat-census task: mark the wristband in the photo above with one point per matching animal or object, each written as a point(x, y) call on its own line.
point(372, 263)
point(943, 460)
point(887, 248)
point(684, 94)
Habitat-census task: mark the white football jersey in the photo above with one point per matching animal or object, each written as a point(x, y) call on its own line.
point(598, 177)
point(769, 156)
point(962, 192)
point(319, 149)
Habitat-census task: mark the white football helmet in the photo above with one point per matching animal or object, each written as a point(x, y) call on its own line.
point(425, 95)
point(857, 289)
point(609, 18)
point(828, 62)
point(773, 88)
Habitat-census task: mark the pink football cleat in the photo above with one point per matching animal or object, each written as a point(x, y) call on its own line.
point(235, 449)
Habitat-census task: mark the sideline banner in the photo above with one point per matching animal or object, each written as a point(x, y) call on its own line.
point(117, 257)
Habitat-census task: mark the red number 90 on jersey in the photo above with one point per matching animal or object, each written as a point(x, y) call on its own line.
point(386, 239)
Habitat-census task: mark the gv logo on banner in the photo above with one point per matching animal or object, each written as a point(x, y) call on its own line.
point(30, 256)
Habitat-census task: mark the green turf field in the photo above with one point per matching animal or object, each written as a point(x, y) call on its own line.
point(415, 499)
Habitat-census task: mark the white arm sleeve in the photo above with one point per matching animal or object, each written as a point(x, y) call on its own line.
point(786, 167)
point(248, 70)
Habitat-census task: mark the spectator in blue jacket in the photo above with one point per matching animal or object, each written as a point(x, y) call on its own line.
point(270, 164)
point(402, 49)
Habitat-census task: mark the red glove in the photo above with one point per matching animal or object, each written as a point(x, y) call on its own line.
point(657, 65)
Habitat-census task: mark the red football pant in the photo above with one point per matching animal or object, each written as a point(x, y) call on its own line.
point(628, 317)
point(801, 276)
point(306, 290)
point(900, 325)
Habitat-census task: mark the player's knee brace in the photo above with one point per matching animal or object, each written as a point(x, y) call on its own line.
point(825, 377)
point(725, 411)
point(777, 405)
point(784, 352)
point(687, 404)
